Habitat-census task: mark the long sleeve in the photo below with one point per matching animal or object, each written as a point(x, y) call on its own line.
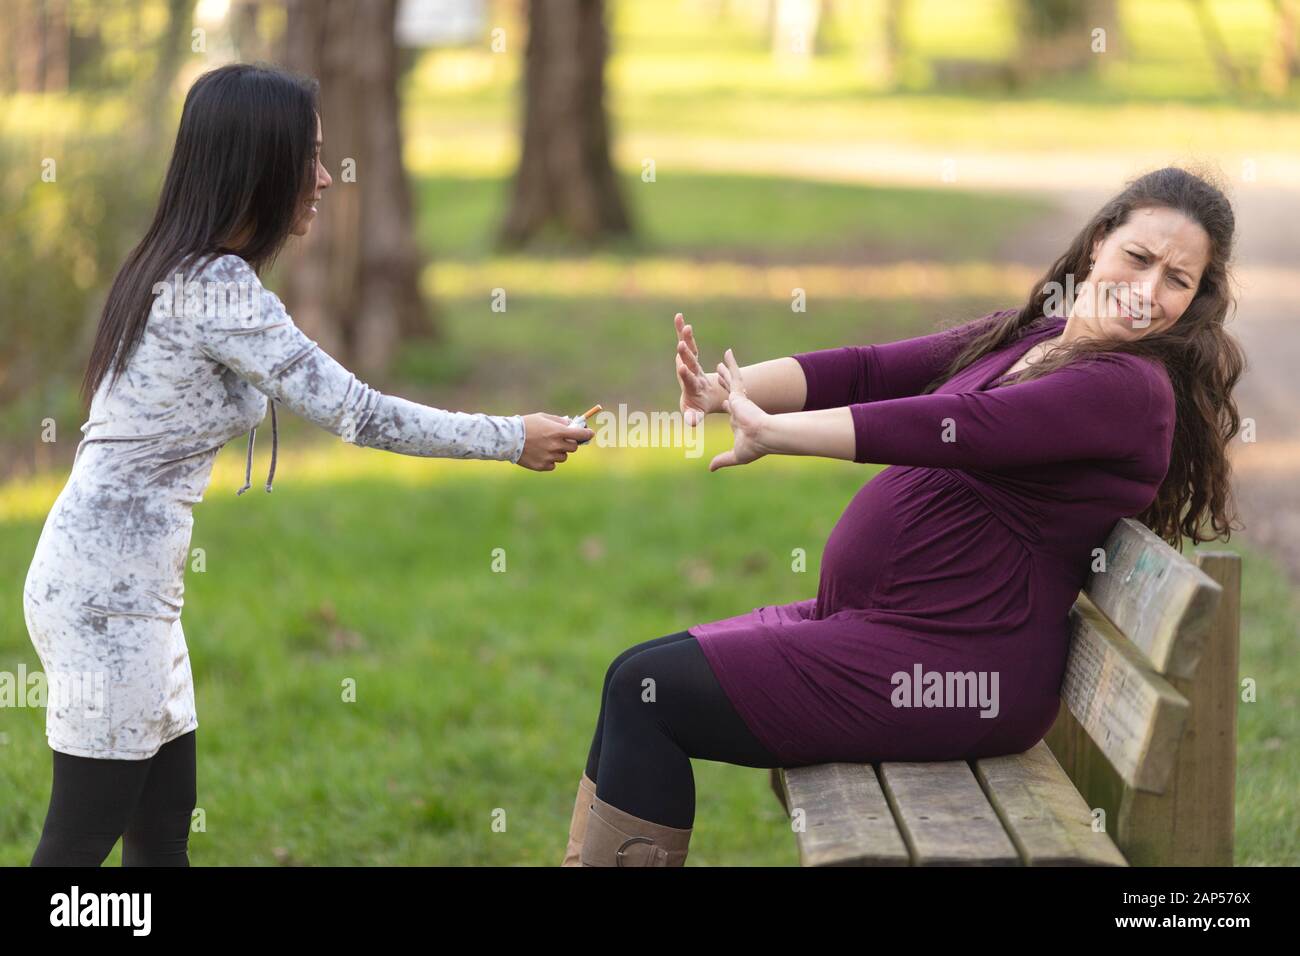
point(263, 346)
point(872, 373)
point(1107, 407)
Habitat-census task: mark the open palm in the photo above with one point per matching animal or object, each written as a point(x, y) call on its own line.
point(747, 419)
point(697, 392)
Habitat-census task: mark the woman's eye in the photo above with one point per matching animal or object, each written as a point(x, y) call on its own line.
point(1141, 259)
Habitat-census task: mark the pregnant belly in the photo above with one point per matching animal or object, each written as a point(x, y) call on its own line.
point(920, 541)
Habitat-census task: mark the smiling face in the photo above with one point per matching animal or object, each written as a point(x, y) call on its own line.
point(1145, 276)
point(307, 213)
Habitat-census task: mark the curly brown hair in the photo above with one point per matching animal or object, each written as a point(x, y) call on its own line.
point(1203, 360)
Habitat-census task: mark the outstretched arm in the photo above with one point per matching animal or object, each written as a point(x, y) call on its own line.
point(1110, 407)
point(265, 348)
point(858, 374)
point(829, 378)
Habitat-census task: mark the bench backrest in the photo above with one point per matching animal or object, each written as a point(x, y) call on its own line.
point(1143, 631)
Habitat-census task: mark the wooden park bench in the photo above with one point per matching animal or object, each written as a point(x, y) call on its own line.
point(1139, 769)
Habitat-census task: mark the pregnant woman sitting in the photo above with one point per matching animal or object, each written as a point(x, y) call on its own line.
point(1014, 444)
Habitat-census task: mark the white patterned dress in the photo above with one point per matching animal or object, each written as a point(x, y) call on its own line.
point(103, 596)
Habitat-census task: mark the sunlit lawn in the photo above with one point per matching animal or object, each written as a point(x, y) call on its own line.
point(477, 690)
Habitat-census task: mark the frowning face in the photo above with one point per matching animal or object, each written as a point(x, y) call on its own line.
point(1145, 275)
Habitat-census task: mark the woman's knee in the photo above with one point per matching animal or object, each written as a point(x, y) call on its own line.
point(630, 681)
point(634, 697)
point(636, 649)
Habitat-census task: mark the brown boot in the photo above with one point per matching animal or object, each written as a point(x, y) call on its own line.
point(616, 838)
point(578, 825)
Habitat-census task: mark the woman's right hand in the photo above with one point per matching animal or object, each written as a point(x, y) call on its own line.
point(701, 393)
point(548, 439)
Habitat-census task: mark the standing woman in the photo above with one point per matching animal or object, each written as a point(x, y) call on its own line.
point(1015, 443)
point(172, 379)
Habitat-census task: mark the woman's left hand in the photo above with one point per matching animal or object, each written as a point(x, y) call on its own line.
point(748, 421)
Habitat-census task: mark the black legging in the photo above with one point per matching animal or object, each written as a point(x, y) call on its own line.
point(641, 754)
point(148, 803)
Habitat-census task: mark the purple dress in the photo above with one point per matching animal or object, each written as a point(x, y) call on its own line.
point(961, 559)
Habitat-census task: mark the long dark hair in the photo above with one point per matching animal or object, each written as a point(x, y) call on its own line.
point(1203, 360)
point(243, 160)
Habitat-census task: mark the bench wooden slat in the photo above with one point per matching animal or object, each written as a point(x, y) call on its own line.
point(1133, 714)
point(1192, 824)
point(1045, 816)
point(945, 816)
point(847, 821)
point(1155, 597)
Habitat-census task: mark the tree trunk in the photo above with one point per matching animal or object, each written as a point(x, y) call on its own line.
point(57, 34)
point(29, 35)
point(565, 176)
point(174, 44)
point(356, 286)
point(249, 44)
point(1280, 65)
point(1055, 36)
point(1218, 48)
point(892, 43)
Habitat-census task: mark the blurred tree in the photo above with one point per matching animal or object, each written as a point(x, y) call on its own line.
point(174, 42)
point(565, 177)
point(248, 39)
point(34, 36)
point(1218, 48)
point(892, 42)
point(81, 176)
point(1281, 66)
point(1055, 36)
point(355, 288)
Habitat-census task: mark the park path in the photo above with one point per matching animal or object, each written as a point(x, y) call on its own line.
point(1266, 270)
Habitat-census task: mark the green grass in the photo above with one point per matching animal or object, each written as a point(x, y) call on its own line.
point(753, 218)
point(478, 690)
point(475, 689)
point(1268, 763)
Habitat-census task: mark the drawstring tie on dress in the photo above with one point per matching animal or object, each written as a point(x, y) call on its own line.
point(275, 444)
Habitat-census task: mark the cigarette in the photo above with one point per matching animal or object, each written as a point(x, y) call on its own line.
point(581, 420)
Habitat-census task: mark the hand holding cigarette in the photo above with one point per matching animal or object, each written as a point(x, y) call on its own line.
point(548, 438)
